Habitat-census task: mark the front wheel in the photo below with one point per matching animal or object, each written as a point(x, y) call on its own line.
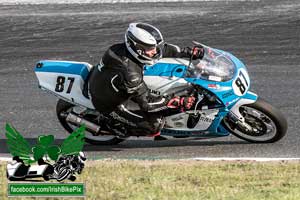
point(267, 123)
point(64, 107)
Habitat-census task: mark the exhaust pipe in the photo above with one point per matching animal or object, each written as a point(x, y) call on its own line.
point(76, 120)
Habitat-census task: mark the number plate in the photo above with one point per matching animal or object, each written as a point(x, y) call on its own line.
point(241, 84)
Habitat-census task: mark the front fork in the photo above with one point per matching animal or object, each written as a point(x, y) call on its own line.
point(235, 115)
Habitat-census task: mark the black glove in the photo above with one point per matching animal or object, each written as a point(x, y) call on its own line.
point(197, 52)
point(181, 102)
point(187, 102)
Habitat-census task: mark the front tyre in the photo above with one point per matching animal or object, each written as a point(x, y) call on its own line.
point(267, 123)
point(64, 107)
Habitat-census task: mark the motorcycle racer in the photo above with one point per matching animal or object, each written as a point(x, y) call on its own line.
point(119, 77)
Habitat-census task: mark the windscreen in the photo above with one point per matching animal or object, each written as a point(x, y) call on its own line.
point(214, 66)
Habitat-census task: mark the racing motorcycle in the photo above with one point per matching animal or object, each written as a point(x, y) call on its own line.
point(219, 82)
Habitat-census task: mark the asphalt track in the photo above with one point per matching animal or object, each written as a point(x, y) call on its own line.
point(263, 34)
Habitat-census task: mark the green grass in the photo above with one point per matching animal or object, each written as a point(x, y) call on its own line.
point(181, 179)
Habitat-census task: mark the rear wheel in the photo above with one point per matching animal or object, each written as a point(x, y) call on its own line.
point(267, 123)
point(64, 107)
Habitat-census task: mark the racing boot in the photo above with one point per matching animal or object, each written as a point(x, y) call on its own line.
point(118, 129)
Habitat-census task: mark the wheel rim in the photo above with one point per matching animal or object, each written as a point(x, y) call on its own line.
point(90, 136)
point(263, 126)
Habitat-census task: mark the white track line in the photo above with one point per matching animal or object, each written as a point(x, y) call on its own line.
point(258, 159)
point(5, 159)
point(22, 2)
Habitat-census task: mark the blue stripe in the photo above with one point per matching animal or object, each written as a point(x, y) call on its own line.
point(165, 69)
point(63, 67)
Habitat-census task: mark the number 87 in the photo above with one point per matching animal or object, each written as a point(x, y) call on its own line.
point(60, 81)
point(240, 83)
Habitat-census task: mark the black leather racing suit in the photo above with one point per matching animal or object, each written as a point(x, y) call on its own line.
point(119, 77)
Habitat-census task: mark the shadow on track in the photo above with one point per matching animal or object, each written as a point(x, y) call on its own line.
point(146, 144)
point(131, 144)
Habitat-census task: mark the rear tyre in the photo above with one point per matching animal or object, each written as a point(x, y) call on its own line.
point(267, 122)
point(66, 107)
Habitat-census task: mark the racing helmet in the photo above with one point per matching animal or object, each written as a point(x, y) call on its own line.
point(140, 37)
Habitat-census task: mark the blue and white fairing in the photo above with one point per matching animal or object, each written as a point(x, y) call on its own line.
point(64, 79)
point(219, 72)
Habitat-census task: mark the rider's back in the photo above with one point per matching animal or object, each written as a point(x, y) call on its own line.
point(114, 78)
